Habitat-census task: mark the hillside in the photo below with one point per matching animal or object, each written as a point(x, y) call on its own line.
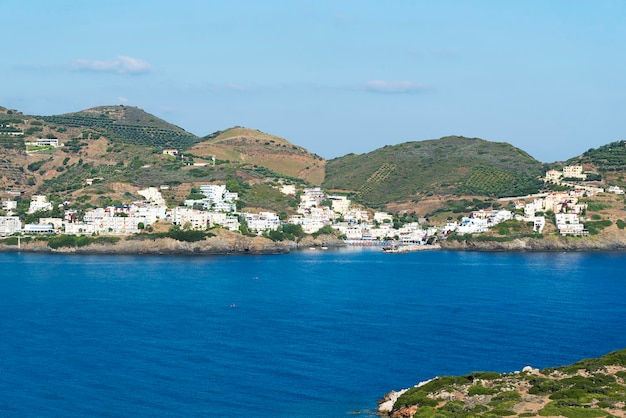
point(107, 153)
point(127, 124)
point(608, 160)
point(254, 147)
point(588, 388)
point(447, 166)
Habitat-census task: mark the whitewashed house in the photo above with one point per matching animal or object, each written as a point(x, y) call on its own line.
point(471, 226)
point(152, 195)
point(340, 204)
point(39, 203)
point(569, 224)
point(262, 221)
point(9, 225)
point(80, 228)
point(196, 219)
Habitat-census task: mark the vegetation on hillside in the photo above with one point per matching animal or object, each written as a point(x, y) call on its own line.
point(111, 146)
point(609, 157)
point(588, 388)
point(450, 165)
point(129, 125)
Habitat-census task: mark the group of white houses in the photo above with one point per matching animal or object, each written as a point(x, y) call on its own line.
point(565, 206)
point(315, 211)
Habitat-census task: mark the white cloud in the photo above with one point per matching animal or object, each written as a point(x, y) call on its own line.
point(121, 65)
point(122, 99)
point(381, 86)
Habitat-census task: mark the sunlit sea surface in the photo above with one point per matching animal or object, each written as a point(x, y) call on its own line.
point(316, 333)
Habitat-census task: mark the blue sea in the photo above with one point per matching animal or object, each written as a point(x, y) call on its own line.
point(308, 334)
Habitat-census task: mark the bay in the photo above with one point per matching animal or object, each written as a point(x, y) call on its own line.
point(308, 334)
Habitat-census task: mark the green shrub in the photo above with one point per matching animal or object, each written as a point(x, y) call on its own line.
point(480, 390)
point(501, 412)
point(455, 407)
point(595, 227)
point(561, 408)
point(187, 236)
point(10, 241)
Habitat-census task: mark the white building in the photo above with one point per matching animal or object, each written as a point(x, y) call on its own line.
point(9, 225)
point(381, 217)
point(568, 224)
point(80, 228)
point(51, 142)
point(38, 229)
point(262, 221)
point(152, 195)
point(196, 219)
point(471, 226)
point(120, 224)
point(151, 213)
point(311, 226)
point(341, 204)
point(217, 198)
point(553, 176)
point(574, 171)
point(9, 205)
point(94, 215)
point(310, 197)
point(39, 203)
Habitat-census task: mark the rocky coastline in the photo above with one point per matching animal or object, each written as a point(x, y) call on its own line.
point(225, 242)
point(610, 241)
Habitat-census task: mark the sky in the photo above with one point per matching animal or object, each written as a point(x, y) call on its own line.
point(336, 77)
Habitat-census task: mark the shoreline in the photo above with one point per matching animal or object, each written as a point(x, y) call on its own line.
point(227, 242)
point(186, 248)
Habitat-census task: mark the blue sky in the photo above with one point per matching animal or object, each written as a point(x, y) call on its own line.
point(333, 76)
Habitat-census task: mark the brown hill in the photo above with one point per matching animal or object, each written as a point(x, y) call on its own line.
point(254, 147)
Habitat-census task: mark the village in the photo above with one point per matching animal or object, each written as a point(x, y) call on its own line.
point(316, 210)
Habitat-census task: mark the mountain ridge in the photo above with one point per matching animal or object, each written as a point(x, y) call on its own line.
point(124, 144)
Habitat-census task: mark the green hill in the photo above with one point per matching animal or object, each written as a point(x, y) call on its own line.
point(450, 166)
point(609, 161)
point(609, 157)
point(129, 125)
